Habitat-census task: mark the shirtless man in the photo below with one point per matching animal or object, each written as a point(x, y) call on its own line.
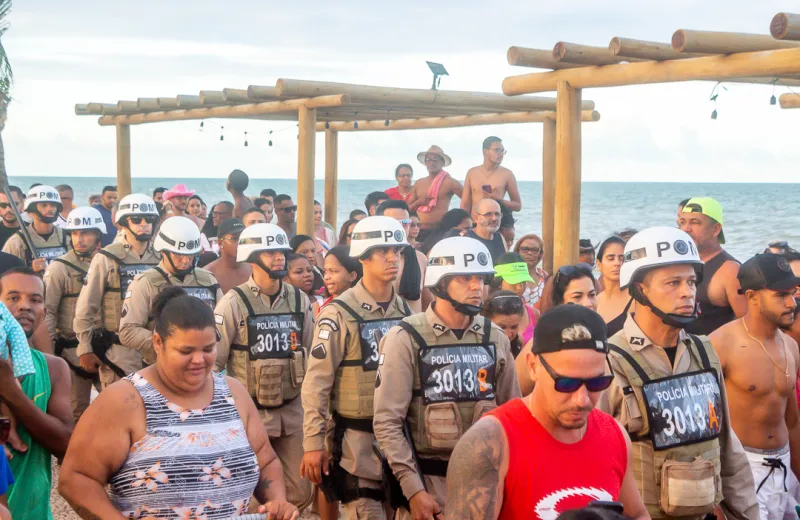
point(226, 269)
point(431, 210)
point(237, 182)
point(718, 296)
point(760, 363)
point(490, 180)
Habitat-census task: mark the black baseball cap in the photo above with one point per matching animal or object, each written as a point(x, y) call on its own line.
point(766, 271)
point(232, 226)
point(547, 335)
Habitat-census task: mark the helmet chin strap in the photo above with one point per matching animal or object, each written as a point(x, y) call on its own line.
point(274, 274)
point(462, 308)
point(677, 321)
point(180, 274)
point(144, 237)
point(89, 252)
point(46, 220)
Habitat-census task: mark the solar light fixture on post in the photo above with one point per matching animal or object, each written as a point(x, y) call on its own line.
point(438, 70)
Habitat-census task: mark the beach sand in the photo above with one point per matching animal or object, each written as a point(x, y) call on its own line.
point(62, 511)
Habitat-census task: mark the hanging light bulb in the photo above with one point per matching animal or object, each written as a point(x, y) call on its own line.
point(327, 125)
point(221, 134)
point(386, 123)
point(773, 100)
point(714, 114)
point(201, 126)
point(245, 138)
point(270, 137)
point(355, 122)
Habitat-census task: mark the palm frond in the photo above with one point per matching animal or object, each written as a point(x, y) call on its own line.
point(6, 73)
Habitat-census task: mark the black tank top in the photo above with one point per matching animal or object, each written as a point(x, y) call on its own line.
point(711, 317)
point(617, 323)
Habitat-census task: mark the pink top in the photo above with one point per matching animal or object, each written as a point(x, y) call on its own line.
point(527, 334)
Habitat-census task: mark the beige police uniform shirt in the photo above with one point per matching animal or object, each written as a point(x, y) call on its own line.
point(135, 324)
point(55, 281)
point(397, 372)
point(231, 311)
point(15, 245)
point(334, 336)
point(96, 284)
point(737, 479)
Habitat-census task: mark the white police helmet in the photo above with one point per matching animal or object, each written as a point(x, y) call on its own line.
point(261, 237)
point(42, 193)
point(658, 247)
point(178, 235)
point(377, 231)
point(457, 256)
point(85, 218)
point(136, 204)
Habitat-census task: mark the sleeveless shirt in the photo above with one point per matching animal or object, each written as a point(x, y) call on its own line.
point(547, 477)
point(711, 317)
point(190, 463)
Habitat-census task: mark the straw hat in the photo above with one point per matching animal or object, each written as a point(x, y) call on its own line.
point(438, 151)
point(179, 190)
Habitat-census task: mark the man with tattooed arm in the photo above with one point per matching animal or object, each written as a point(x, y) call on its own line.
point(550, 451)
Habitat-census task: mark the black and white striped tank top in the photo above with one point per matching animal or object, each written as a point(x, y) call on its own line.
point(190, 463)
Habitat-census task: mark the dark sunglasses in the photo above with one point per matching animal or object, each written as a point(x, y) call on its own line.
point(289, 209)
point(571, 270)
point(567, 385)
point(150, 219)
point(4, 205)
point(534, 250)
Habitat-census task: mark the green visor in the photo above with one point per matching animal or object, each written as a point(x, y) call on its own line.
point(513, 273)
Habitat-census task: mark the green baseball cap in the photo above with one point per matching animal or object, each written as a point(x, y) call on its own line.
point(513, 273)
point(708, 207)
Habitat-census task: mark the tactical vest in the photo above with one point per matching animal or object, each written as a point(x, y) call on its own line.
point(52, 248)
point(354, 386)
point(676, 455)
point(69, 297)
point(119, 280)
point(274, 362)
point(204, 287)
point(454, 385)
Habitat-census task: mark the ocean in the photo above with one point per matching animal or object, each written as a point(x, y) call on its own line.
point(755, 214)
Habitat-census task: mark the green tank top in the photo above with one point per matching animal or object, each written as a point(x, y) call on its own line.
point(29, 497)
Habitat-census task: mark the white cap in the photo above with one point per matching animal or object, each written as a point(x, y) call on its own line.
point(378, 231)
point(179, 235)
point(457, 256)
point(658, 247)
point(136, 204)
point(85, 218)
point(42, 193)
point(261, 237)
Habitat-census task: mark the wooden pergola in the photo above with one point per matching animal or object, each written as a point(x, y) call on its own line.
point(331, 108)
point(691, 55)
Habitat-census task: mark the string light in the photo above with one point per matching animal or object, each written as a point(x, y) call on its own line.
point(221, 133)
point(327, 125)
point(714, 96)
point(355, 122)
point(386, 123)
point(270, 137)
point(773, 100)
point(201, 126)
point(245, 138)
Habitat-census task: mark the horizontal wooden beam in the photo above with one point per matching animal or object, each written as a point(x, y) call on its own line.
point(536, 58)
point(235, 111)
point(189, 101)
point(211, 97)
point(387, 96)
point(586, 55)
point(790, 101)
point(451, 122)
point(767, 63)
point(646, 50)
point(260, 92)
point(785, 26)
point(148, 104)
point(710, 42)
point(236, 95)
point(165, 103)
point(128, 106)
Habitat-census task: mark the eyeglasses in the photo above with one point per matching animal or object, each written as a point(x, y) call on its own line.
point(570, 270)
point(289, 209)
point(501, 151)
point(405, 221)
point(137, 219)
point(409, 175)
point(433, 159)
point(534, 250)
point(568, 385)
point(415, 224)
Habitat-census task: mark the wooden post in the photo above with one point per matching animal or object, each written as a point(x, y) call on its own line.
point(567, 219)
point(123, 160)
point(331, 176)
point(548, 191)
point(307, 121)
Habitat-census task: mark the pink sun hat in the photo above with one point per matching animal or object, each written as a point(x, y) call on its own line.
point(179, 190)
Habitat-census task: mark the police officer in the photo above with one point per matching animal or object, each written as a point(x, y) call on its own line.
point(342, 370)
point(43, 205)
point(63, 282)
point(440, 371)
point(178, 241)
point(110, 274)
point(265, 328)
point(667, 390)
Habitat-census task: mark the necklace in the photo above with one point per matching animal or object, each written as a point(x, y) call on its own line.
point(783, 347)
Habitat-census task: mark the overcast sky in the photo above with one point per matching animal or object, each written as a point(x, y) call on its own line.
point(76, 52)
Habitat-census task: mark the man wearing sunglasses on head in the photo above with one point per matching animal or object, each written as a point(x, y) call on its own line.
point(110, 274)
point(551, 451)
point(178, 242)
point(668, 392)
point(439, 371)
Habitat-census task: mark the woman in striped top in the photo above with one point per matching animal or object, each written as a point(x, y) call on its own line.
point(174, 440)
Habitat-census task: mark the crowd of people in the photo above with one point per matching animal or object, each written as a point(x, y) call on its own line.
point(187, 361)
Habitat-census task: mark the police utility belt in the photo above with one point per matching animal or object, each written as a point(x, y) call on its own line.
point(274, 341)
point(682, 410)
point(102, 340)
point(62, 344)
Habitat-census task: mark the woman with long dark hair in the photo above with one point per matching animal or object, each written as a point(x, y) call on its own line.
point(456, 218)
point(613, 304)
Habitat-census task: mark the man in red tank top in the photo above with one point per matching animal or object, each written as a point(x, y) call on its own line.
point(549, 452)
